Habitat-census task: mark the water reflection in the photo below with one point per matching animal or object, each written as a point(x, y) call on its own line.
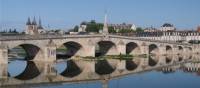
point(71, 70)
point(16, 67)
point(103, 67)
point(88, 70)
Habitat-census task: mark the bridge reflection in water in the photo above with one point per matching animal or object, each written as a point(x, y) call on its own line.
point(89, 70)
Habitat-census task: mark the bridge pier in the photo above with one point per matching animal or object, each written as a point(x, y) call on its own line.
point(121, 48)
point(50, 53)
point(187, 51)
point(175, 50)
point(47, 69)
point(196, 49)
point(121, 66)
point(88, 50)
point(144, 62)
point(3, 71)
point(162, 50)
point(3, 54)
point(145, 49)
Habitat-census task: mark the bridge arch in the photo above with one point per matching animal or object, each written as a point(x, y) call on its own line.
point(105, 48)
point(72, 69)
point(168, 59)
point(133, 48)
point(169, 49)
point(153, 61)
point(132, 64)
point(69, 49)
point(153, 49)
point(180, 58)
point(30, 72)
point(26, 50)
point(180, 50)
point(104, 67)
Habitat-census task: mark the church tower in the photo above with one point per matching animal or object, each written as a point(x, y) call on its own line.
point(40, 24)
point(34, 24)
point(31, 27)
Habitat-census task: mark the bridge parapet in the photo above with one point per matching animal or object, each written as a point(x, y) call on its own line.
point(45, 36)
point(38, 37)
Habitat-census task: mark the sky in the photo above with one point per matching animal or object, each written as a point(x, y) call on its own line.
point(65, 14)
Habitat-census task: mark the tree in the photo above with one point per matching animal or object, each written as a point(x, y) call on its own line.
point(15, 31)
point(139, 29)
point(10, 30)
point(94, 27)
point(111, 30)
point(93, 22)
point(76, 28)
point(71, 30)
point(125, 31)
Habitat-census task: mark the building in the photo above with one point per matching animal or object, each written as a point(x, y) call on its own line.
point(82, 28)
point(151, 29)
point(167, 27)
point(177, 36)
point(122, 26)
point(33, 28)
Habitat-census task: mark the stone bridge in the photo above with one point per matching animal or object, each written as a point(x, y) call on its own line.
point(44, 46)
point(37, 73)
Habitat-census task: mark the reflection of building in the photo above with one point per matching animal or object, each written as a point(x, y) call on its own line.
point(33, 28)
point(122, 26)
point(167, 27)
point(191, 67)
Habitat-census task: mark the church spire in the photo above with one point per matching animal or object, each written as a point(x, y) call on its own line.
point(105, 26)
point(40, 24)
point(34, 21)
point(28, 21)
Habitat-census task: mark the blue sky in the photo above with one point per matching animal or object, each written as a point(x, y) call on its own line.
point(184, 14)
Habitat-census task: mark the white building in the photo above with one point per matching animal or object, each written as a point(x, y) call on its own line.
point(82, 28)
point(124, 26)
point(167, 27)
point(151, 29)
point(176, 36)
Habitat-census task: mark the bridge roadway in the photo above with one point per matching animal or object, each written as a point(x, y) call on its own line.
point(81, 71)
point(44, 46)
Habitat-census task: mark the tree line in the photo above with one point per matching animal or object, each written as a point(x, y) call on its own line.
point(93, 26)
point(9, 31)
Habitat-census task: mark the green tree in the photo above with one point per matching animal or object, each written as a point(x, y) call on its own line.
point(125, 31)
point(93, 22)
point(139, 29)
point(111, 30)
point(93, 26)
point(76, 28)
point(10, 30)
point(71, 30)
point(15, 31)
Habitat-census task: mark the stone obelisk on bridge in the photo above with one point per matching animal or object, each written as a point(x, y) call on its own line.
point(105, 26)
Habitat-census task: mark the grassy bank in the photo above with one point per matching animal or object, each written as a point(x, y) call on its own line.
point(119, 57)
